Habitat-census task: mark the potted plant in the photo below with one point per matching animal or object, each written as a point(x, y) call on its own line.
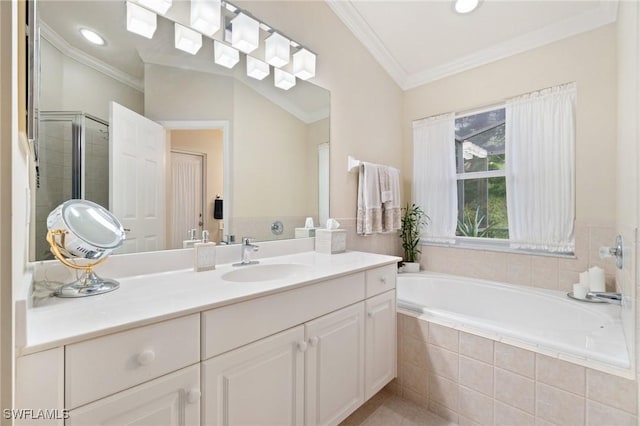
point(413, 220)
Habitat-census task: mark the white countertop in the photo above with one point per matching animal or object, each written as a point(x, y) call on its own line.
point(150, 298)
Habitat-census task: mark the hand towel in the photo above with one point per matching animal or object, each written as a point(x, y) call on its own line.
point(391, 218)
point(369, 214)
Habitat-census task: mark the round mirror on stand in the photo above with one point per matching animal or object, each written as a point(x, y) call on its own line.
point(85, 230)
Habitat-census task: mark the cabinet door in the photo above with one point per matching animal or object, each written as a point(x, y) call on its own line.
point(170, 400)
point(380, 352)
point(258, 384)
point(334, 368)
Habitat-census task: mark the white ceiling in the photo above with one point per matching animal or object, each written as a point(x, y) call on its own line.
point(420, 41)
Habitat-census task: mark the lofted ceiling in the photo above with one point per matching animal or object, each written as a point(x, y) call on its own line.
point(421, 41)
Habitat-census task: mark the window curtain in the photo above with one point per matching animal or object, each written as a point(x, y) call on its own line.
point(434, 175)
point(540, 161)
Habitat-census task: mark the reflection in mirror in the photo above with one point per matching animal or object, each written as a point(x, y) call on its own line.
point(262, 151)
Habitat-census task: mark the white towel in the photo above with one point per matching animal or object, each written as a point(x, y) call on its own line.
point(369, 215)
point(390, 196)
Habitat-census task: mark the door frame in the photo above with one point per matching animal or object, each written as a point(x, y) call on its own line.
point(227, 155)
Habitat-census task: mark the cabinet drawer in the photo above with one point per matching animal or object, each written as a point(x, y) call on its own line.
point(105, 365)
point(232, 326)
point(381, 279)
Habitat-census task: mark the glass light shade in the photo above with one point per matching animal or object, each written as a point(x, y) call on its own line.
point(466, 6)
point(277, 50)
point(187, 40)
point(283, 79)
point(256, 68)
point(205, 16)
point(140, 20)
point(225, 55)
point(304, 64)
point(158, 6)
point(245, 33)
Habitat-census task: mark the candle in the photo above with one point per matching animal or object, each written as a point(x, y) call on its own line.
point(596, 279)
point(579, 291)
point(584, 279)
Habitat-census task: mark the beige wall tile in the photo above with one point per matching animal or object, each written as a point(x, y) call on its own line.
point(442, 336)
point(545, 278)
point(515, 359)
point(415, 397)
point(463, 421)
point(416, 379)
point(516, 390)
point(443, 391)
point(416, 328)
point(519, 269)
point(476, 347)
point(599, 414)
point(612, 390)
point(559, 407)
point(443, 411)
point(566, 279)
point(561, 374)
point(442, 362)
point(601, 236)
point(476, 375)
point(414, 351)
point(505, 415)
point(476, 406)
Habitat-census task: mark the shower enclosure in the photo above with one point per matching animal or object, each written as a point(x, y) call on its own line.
point(73, 162)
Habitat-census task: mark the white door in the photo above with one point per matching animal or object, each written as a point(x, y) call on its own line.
point(380, 327)
point(137, 162)
point(170, 400)
point(258, 384)
point(186, 196)
point(334, 368)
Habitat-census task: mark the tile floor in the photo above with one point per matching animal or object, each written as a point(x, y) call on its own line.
point(387, 409)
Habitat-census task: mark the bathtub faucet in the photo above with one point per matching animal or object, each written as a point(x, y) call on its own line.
point(615, 298)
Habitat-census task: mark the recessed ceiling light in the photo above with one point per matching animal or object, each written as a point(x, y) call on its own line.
point(466, 6)
point(92, 36)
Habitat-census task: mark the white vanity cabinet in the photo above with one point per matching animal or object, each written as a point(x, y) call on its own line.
point(380, 349)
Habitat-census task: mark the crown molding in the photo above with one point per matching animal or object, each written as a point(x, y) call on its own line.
point(78, 55)
point(349, 15)
point(604, 14)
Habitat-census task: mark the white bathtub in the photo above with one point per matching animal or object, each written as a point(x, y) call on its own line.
point(543, 320)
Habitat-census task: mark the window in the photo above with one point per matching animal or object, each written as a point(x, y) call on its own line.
point(480, 174)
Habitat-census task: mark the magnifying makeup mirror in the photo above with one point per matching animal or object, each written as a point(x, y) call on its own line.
point(83, 229)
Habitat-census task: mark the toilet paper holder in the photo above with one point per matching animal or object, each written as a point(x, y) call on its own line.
point(614, 252)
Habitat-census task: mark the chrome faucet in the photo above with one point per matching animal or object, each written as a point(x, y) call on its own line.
point(247, 248)
point(614, 298)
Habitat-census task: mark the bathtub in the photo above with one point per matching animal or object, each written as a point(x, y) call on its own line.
point(545, 321)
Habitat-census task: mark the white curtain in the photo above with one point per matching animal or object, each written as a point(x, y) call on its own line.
point(186, 176)
point(434, 175)
point(540, 161)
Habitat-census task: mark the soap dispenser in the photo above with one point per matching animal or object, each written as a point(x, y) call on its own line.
point(191, 235)
point(204, 254)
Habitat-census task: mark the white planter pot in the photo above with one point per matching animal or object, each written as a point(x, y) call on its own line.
point(411, 267)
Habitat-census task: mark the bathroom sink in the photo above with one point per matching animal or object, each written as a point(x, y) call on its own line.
point(268, 272)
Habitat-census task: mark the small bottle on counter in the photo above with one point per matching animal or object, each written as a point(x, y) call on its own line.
point(204, 254)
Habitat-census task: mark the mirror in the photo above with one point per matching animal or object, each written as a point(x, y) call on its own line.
point(262, 150)
point(85, 230)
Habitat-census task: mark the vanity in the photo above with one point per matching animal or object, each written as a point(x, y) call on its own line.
point(220, 347)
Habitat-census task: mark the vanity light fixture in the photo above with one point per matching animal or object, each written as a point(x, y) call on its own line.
point(277, 50)
point(158, 6)
point(205, 16)
point(187, 40)
point(140, 20)
point(92, 36)
point(304, 64)
point(225, 55)
point(256, 68)
point(245, 33)
point(465, 6)
point(283, 79)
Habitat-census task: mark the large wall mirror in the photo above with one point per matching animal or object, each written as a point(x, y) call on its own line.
point(260, 151)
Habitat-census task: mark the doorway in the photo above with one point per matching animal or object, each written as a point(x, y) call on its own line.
point(187, 192)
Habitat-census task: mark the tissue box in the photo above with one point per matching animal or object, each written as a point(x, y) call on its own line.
point(330, 241)
point(305, 232)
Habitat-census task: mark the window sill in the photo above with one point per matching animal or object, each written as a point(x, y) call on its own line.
point(490, 244)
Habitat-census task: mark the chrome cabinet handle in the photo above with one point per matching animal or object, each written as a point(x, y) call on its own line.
point(302, 346)
point(313, 341)
point(383, 280)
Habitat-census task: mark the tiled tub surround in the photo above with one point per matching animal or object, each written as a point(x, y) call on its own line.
point(475, 380)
